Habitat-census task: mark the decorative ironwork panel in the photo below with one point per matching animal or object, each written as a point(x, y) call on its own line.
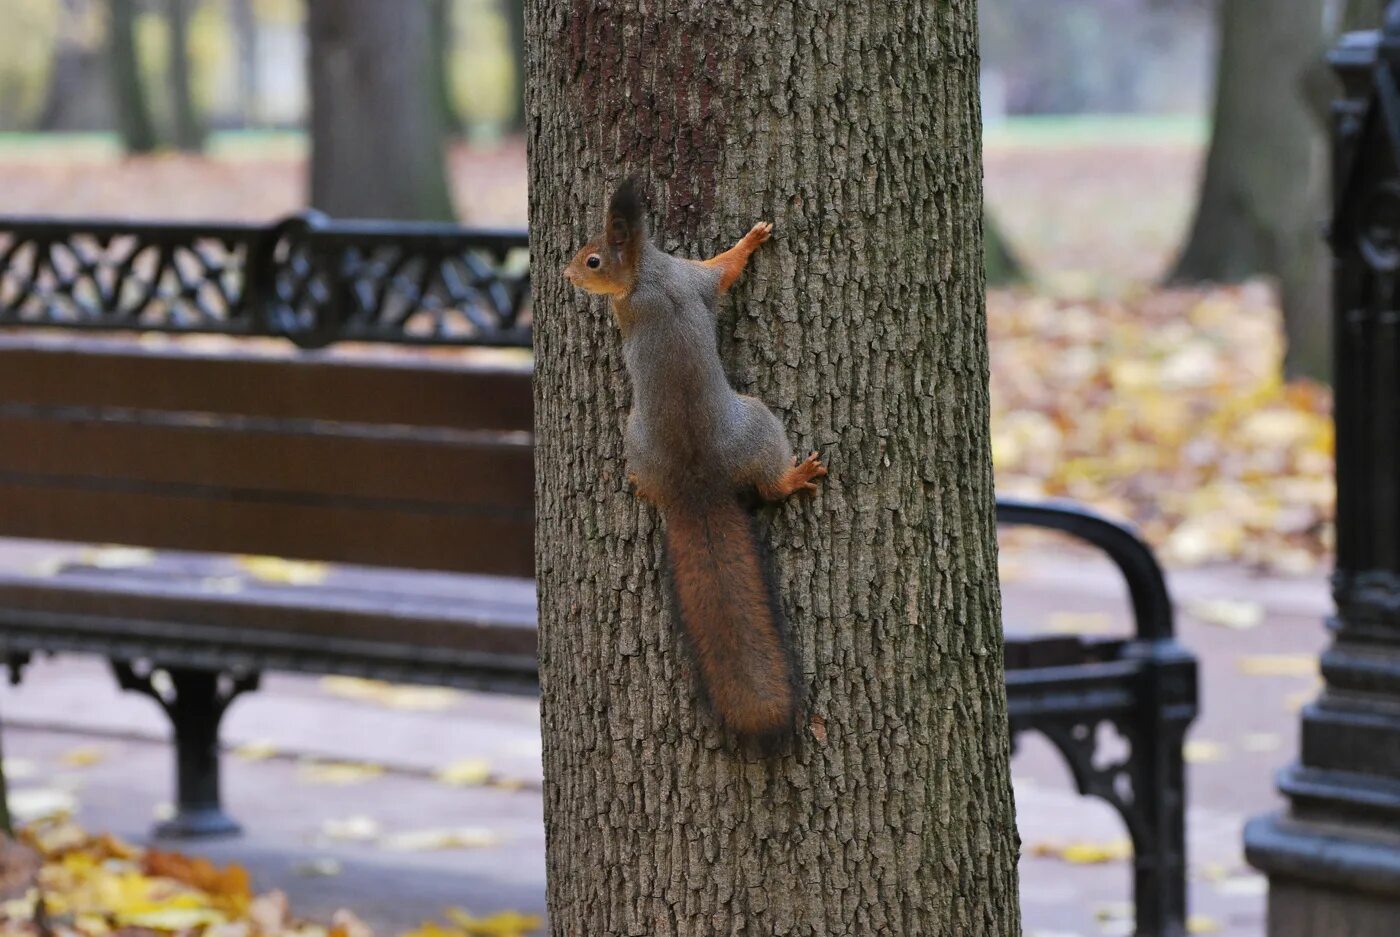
point(413, 283)
point(180, 278)
point(305, 278)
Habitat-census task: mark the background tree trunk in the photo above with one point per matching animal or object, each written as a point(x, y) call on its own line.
point(1263, 197)
point(245, 29)
point(1362, 14)
point(77, 97)
point(855, 128)
point(440, 13)
point(1003, 267)
point(134, 123)
point(377, 140)
point(514, 13)
point(189, 132)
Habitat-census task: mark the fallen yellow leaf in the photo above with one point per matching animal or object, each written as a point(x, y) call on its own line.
point(468, 772)
point(1235, 614)
point(434, 839)
point(392, 695)
point(1278, 665)
point(338, 772)
point(286, 572)
point(1086, 853)
point(83, 757)
point(1202, 751)
point(117, 557)
point(500, 924)
point(256, 751)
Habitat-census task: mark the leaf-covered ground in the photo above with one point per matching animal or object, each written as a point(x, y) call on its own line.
point(1165, 408)
point(61, 881)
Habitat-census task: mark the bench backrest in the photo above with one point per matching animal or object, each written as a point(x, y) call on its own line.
point(417, 463)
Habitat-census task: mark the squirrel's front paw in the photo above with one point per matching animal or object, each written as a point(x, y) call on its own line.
point(808, 469)
point(759, 233)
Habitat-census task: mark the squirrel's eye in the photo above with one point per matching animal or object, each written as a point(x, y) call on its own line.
point(594, 261)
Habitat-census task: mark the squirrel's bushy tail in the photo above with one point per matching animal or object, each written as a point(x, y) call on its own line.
point(731, 618)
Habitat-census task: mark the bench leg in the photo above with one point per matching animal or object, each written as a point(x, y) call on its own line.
point(1159, 878)
point(1148, 789)
point(195, 701)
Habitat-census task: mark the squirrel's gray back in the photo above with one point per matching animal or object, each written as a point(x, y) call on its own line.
point(671, 353)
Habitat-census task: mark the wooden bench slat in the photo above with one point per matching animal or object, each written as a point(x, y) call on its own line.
point(328, 611)
point(328, 462)
point(367, 533)
point(404, 389)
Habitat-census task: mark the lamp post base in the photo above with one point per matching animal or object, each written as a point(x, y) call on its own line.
point(1326, 879)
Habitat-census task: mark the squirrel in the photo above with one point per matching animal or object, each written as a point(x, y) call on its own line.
point(696, 448)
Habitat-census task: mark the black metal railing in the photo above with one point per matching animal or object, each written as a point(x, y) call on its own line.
point(306, 278)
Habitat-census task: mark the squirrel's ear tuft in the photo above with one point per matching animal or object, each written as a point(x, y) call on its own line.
point(625, 223)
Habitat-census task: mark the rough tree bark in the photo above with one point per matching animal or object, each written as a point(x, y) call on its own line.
point(1262, 200)
point(855, 128)
point(377, 136)
point(134, 122)
point(189, 131)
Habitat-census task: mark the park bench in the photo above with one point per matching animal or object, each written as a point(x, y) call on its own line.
point(274, 422)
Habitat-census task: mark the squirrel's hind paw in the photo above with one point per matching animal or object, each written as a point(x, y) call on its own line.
point(798, 478)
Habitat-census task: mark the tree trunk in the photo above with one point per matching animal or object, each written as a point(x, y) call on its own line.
point(855, 128)
point(377, 141)
point(189, 132)
point(514, 13)
point(134, 123)
point(1003, 267)
point(77, 97)
point(1263, 197)
point(440, 13)
point(1362, 14)
point(245, 29)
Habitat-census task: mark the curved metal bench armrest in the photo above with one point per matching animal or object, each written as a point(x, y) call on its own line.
point(1152, 607)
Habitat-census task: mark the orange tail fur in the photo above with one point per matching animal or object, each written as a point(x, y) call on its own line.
point(730, 616)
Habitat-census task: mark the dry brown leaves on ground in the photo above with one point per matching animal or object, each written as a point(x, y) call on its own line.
point(1166, 408)
point(98, 886)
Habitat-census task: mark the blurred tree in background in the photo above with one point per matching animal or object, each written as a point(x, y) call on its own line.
point(998, 259)
point(1263, 195)
point(377, 122)
point(76, 94)
point(188, 128)
point(133, 110)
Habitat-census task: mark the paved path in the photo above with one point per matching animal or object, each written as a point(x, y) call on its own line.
point(1248, 730)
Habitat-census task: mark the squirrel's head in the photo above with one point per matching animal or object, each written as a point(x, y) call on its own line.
point(607, 264)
